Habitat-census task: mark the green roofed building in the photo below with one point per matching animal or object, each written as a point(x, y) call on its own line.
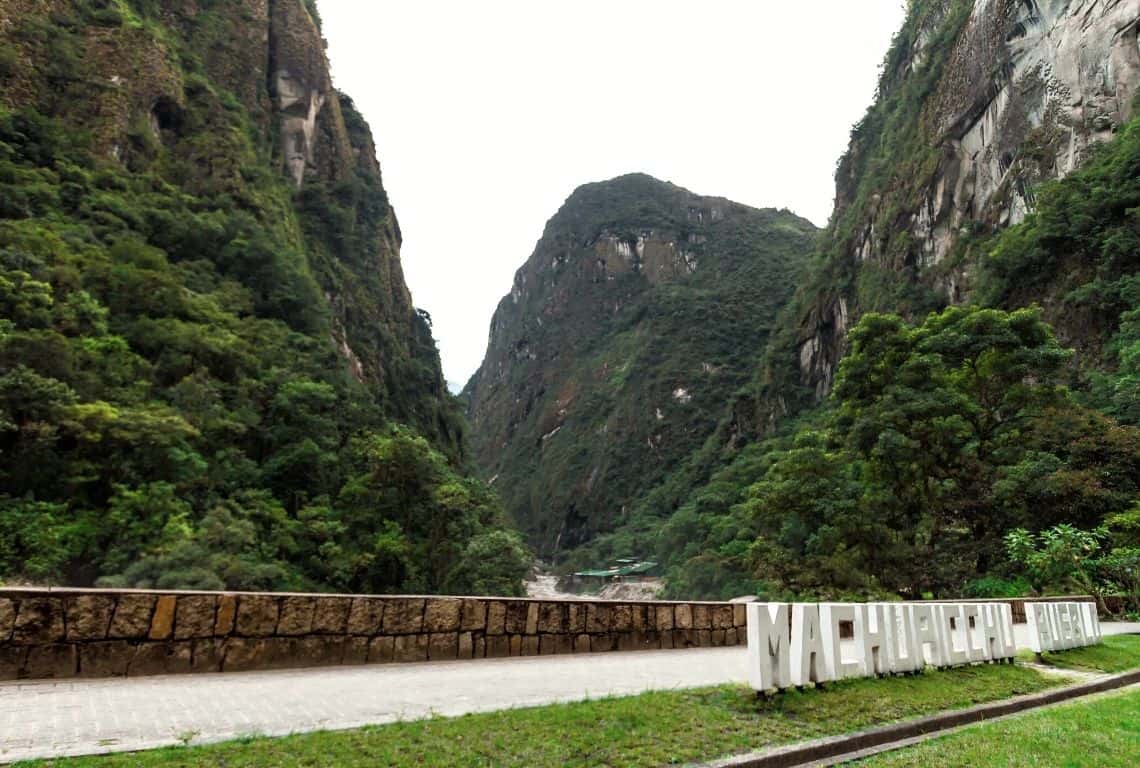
point(624, 570)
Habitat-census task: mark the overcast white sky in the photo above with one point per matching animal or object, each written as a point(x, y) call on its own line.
point(488, 114)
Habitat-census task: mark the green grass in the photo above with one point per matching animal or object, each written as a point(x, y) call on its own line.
point(1117, 653)
point(1102, 732)
point(647, 730)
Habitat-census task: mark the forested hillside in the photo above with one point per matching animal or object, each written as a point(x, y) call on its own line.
point(901, 469)
point(959, 360)
point(643, 308)
point(211, 371)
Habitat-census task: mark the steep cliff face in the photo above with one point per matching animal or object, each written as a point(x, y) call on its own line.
point(642, 308)
point(136, 68)
point(980, 101)
point(1029, 87)
point(211, 369)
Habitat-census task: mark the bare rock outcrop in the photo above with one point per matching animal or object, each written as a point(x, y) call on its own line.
point(1018, 93)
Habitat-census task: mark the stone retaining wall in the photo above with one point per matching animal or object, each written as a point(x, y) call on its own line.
point(94, 633)
point(1017, 604)
point(60, 633)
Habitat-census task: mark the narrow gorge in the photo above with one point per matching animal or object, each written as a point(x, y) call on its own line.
point(212, 372)
point(950, 194)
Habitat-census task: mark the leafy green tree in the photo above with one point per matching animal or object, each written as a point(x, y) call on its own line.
point(176, 406)
point(1119, 392)
point(939, 438)
point(1061, 557)
point(410, 522)
point(149, 519)
point(1125, 526)
point(935, 411)
point(37, 541)
point(493, 562)
point(244, 542)
point(814, 537)
point(1120, 569)
point(1097, 562)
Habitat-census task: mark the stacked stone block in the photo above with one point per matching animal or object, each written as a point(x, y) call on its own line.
point(92, 633)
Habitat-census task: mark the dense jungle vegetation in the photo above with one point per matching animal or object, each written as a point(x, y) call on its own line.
point(210, 378)
point(943, 435)
point(946, 429)
point(174, 407)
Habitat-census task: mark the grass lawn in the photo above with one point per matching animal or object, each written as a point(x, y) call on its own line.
point(1102, 732)
point(1117, 653)
point(648, 730)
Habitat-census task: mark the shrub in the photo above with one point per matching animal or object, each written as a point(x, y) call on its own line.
point(9, 61)
point(107, 17)
point(996, 586)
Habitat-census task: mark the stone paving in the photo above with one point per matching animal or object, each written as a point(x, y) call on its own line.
point(44, 719)
point(73, 717)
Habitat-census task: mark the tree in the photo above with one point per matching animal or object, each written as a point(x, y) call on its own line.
point(1062, 557)
point(411, 523)
point(1121, 567)
point(933, 412)
point(37, 540)
point(813, 535)
point(494, 562)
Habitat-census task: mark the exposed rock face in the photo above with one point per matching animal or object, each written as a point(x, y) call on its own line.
point(658, 257)
point(1030, 86)
point(830, 318)
point(268, 57)
point(1019, 90)
point(641, 309)
point(299, 83)
point(303, 96)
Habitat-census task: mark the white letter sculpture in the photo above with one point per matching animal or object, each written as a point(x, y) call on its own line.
point(896, 637)
point(809, 659)
point(1057, 626)
point(768, 631)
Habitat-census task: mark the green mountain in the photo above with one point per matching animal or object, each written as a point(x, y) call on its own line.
point(958, 359)
point(642, 310)
point(979, 105)
point(211, 369)
point(996, 170)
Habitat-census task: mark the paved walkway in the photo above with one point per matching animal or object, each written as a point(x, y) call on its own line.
point(55, 719)
point(50, 719)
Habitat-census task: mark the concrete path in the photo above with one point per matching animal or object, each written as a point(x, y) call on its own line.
point(55, 719)
point(46, 719)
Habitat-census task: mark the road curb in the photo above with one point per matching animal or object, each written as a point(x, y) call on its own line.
point(811, 752)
